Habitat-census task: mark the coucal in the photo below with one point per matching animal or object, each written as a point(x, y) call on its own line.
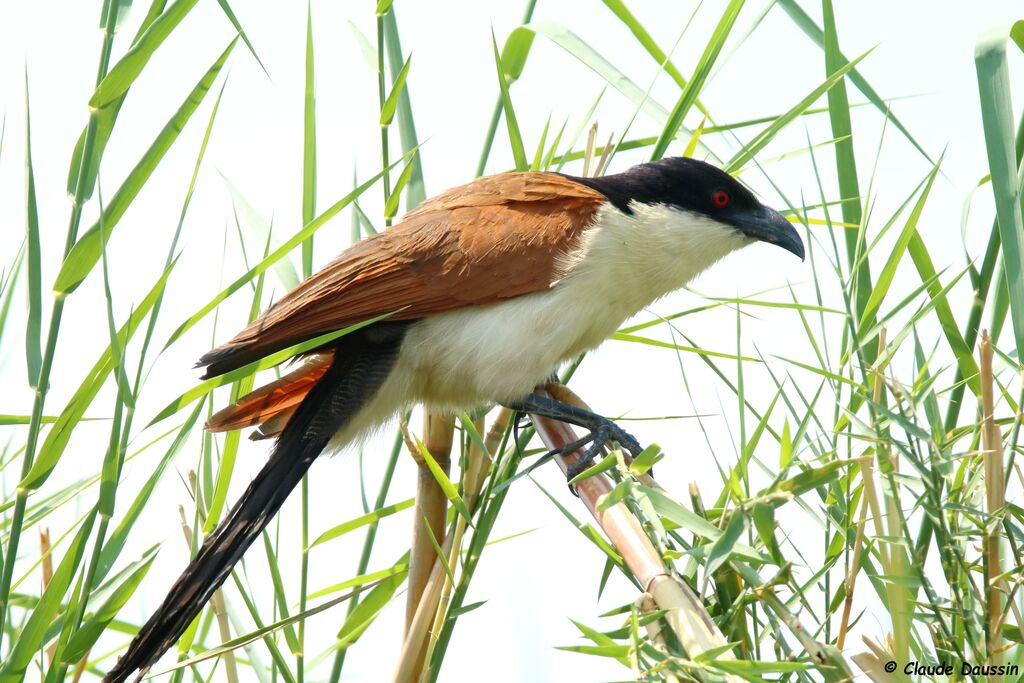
point(491, 286)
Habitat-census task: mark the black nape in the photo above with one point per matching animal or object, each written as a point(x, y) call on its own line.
point(682, 182)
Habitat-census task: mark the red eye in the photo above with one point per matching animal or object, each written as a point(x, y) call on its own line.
point(721, 198)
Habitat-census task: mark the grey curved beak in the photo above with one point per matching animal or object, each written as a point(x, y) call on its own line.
point(768, 225)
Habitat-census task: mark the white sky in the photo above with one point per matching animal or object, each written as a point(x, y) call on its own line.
point(536, 583)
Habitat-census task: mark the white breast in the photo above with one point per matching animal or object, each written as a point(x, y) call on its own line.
point(467, 358)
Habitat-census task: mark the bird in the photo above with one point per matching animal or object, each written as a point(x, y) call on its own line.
point(476, 297)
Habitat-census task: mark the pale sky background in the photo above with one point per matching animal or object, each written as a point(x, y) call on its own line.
point(536, 583)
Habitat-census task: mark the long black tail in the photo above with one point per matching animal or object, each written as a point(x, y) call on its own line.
point(360, 366)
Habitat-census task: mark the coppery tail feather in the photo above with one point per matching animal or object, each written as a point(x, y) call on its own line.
point(360, 366)
point(284, 395)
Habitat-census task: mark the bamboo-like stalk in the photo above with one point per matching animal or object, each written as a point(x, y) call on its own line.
point(684, 612)
point(645, 604)
point(44, 552)
point(896, 559)
point(224, 630)
point(588, 154)
point(605, 153)
point(477, 466)
point(995, 498)
point(47, 569)
point(851, 577)
point(76, 676)
point(867, 468)
point(872, 665)
point(431, 508)
point(420, 639)
point(414, 648)
point(429, 518)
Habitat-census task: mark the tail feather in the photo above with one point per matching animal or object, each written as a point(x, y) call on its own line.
point(350, 381)
point(280, 396)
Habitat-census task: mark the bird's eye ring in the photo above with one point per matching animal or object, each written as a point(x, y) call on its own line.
point(721, 198)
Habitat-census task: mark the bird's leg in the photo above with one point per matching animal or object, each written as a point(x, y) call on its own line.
point(602, 430)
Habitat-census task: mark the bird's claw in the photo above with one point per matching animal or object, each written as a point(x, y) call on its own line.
point(603, 431)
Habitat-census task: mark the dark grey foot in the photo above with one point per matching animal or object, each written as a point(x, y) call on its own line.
point(602, 430)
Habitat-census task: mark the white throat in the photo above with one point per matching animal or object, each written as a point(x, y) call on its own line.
point(635, 259)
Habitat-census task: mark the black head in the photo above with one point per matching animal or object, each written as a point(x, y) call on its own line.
point(698, 187)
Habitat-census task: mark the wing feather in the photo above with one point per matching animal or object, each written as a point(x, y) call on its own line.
point(495, 238)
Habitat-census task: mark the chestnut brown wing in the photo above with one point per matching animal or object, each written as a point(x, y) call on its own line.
point(495, 238)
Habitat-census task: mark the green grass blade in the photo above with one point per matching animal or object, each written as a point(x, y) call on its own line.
point(124, 73)
point(284, 268)
point(33, 326)
point(103, 121)
point(768, 134)
point(7, 420)
point(230, 14)
point(33, 635)
point(86, 252)
point(205, 387)
point(620, 10)
point(726, 543)
point(990, 58)
point(124, 391)
point(513, 59)
point(964, 355)
point(131, 65)
point(700, 75)
point(115, 544)
point(387, 112)
point(888, 272)
point(596, 62)
point(391, 206)
point(358, 522)
point(515, 138)
point(366, 48)
point(274, 256)
point(401, 568)
point(814, 32)
point(367, 610)
point(280, 594)
point(538, 154)
point(309, 146)
point(57, 438)
point(415, 191)
point(86, 636)
point(846, 166)
point(447, 487)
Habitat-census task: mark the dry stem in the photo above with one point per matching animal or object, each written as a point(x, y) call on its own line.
point(431, 608)
point(430, 510)
point(851, 578)
point(217, 601)
point(47, 568)
point(995, 498)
